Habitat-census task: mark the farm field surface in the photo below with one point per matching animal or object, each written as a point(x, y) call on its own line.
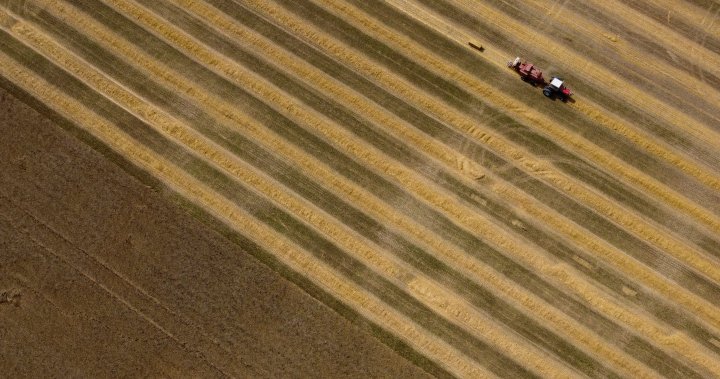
point(347, 188)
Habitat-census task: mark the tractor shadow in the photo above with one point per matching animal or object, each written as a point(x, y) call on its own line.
point(564, 100)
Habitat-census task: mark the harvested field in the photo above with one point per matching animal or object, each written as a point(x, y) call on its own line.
point(365, 153)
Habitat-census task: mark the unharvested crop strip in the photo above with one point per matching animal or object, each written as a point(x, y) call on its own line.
point(640, 324)
point(641, 227)
point(195, 191)
point(426, 290)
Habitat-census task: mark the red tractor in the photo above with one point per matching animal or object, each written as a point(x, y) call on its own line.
point(533, 75)
point(556, 88)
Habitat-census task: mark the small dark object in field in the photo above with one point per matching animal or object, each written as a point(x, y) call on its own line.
point(474, 46)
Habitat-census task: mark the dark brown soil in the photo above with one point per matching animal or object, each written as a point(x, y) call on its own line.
point(101, 275)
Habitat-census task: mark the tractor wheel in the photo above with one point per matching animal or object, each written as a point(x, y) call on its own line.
point(547, 92)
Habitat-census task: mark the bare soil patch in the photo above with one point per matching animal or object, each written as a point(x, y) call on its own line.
point(103, 275)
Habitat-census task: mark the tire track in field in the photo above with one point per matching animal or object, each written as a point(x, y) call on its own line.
point(631, 178)
point(602, 78)
point(655, 238)
point(390, 269)
point(492, 140)
point(455, 304)
point(287, 252)
point(147, 308)
point(245, 38)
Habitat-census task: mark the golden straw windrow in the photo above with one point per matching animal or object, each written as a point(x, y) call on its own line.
point(198, 50)
point(388, 211)
point(601, 77)
point(633, 222)
point(275, 54)
point(238, 219)
point(235, 117)
point(425, 289)
point(534, 118)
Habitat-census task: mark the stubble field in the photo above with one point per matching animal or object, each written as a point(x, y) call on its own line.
point(364, 152)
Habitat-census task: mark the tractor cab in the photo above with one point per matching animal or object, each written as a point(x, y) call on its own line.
point(556, 87)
